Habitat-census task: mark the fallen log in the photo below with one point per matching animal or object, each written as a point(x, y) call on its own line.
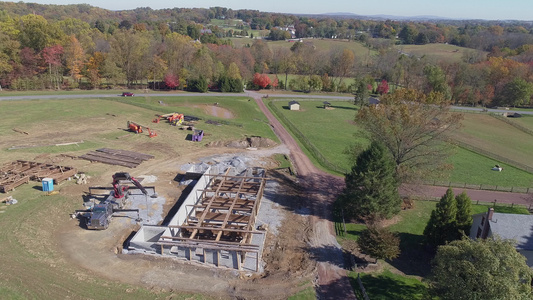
point(20, 131)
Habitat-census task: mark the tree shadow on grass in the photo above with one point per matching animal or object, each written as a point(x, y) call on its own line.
point(415, 258)
point(384, 287)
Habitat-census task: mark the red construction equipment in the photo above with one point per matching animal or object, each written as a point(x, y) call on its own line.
point(151, 133)
point(176, 119)
point(137, 128)
point(156, 120)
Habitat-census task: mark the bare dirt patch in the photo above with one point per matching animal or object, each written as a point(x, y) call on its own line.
point(216, 111)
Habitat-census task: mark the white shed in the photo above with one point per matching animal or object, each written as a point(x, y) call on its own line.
point(294, 105)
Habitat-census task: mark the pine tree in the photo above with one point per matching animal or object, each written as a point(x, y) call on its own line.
point(441, 227)
point(371, 188)
point(463, 218)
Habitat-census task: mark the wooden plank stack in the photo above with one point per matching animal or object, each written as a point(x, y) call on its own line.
point(123, 158)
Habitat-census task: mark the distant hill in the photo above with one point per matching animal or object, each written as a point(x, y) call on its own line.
point(383, 17)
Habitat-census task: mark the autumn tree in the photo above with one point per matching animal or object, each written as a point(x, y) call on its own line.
point(488, 269)
point(94, 68)
point(261, 80)
point(414, 128)
point(441, 227)
point(75, 58)
point(342, 63)
point(371, 191)
point(383, 87)
point(52, 56)
point(171, 81)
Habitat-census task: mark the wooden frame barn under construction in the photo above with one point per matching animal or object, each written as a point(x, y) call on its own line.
point(216, 223)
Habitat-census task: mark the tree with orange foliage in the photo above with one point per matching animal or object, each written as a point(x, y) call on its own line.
point(261, 80)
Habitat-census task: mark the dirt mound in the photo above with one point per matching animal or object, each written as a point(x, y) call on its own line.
point(253, 142)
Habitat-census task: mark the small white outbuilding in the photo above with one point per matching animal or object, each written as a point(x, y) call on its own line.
point(294, 105)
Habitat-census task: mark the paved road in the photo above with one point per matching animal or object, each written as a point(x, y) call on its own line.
point(247, 93)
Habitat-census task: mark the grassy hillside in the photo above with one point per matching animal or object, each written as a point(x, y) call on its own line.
point(496, 136)
point(334, 131)
point(439, 52)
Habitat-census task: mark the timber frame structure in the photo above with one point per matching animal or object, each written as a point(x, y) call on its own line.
point(18, 172)
point(222, 220)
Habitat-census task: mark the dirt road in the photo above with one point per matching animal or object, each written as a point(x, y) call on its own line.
point(321, 190)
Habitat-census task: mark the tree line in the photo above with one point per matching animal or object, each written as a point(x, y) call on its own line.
point(62, 47)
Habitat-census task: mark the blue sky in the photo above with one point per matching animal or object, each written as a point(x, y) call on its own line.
point(459, 9)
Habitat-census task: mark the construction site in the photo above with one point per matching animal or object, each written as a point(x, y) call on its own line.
point(215, 225)
point(145, 208)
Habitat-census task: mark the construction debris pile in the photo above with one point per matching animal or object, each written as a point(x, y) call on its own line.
point(123, 158)
point(16, 173)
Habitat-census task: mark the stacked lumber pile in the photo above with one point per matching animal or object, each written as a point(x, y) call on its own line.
point(16, 173)
point(123, 158)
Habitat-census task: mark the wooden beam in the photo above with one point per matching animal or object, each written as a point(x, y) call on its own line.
point(215, 228)
point(202, 217)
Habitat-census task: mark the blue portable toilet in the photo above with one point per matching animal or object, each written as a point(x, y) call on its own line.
point(48, 184)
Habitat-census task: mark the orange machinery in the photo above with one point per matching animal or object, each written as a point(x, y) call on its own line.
point(138, 128)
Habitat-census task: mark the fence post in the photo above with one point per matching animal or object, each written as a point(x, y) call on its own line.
point(494, 206)
point(344, 223)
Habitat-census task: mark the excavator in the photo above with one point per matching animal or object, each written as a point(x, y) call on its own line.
point(120, 190)
point(99, 216)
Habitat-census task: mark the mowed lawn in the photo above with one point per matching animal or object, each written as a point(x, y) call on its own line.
point(496, 136)
point(525, 120)
point(332, 131)
point(472, 168)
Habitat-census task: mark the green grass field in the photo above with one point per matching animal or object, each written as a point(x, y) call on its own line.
point(387, 286)
point(496, 136)
point(38, 116)
point(525, 120)
point(333, 132)
point(439, 52)
point(472, 168)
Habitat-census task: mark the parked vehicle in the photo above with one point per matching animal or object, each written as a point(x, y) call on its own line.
point(127, 94)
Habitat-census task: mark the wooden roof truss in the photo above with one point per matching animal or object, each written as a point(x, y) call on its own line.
point(224, 216)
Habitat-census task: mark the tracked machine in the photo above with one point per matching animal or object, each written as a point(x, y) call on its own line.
point(99, 215)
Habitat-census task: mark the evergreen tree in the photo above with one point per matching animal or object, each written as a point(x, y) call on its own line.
point(379, 242)
point(441, 227)
point(371, 188)
point(463, 218)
